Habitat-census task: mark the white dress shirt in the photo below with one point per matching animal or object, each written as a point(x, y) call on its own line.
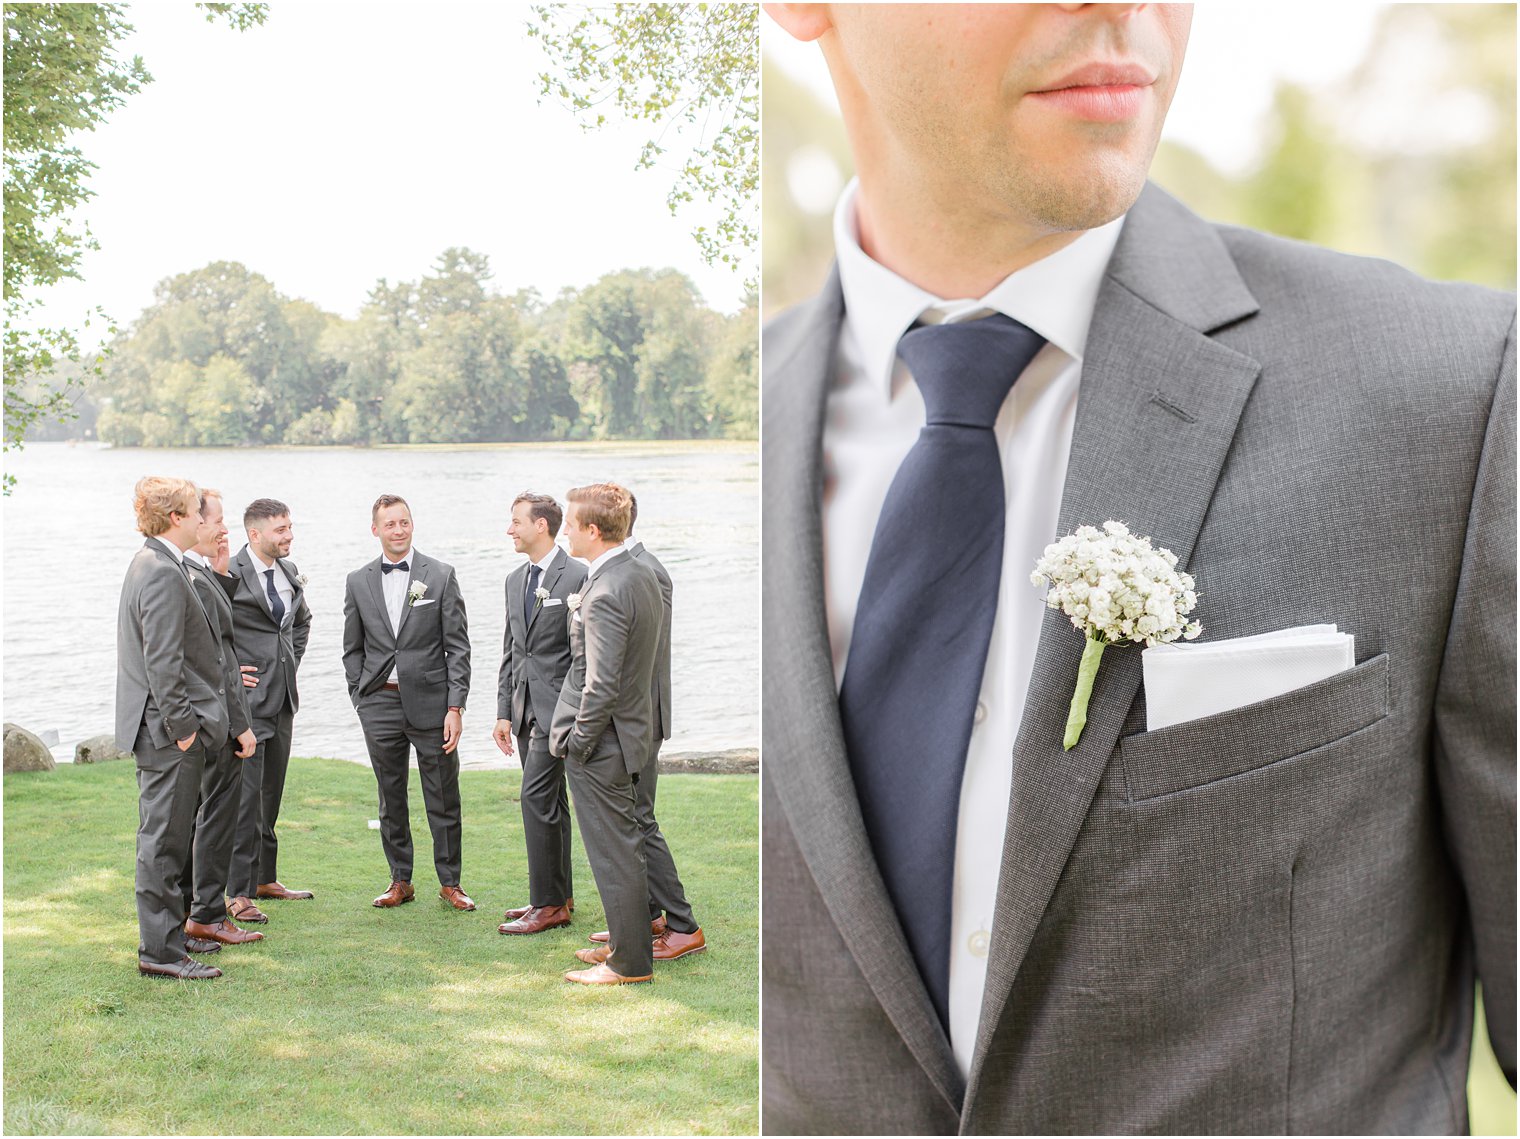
point(282, 585)
point(873, 419)
point(179, 554)
point(393, 587)
point(602, 559)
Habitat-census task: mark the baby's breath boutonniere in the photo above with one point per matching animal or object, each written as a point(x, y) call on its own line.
point(1117, 589)
point(302, 580)
point(414, 594)
point(573, 602)
point(540, 595)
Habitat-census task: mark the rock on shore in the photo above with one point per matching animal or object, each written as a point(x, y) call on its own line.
point(25, 751)
point(99, 749)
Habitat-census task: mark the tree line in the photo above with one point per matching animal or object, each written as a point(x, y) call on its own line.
point(222, 358)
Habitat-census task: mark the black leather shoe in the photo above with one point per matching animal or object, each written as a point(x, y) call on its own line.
point(182, 970)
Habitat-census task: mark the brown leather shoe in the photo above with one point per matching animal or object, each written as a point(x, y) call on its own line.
point(201, 945)
point(399, 892)
point(223, 931)
point(537, 920)
point(182, 970)
point(595, 955)
point(670, 944)
point(243, 909)
point(281, 894)
point(656, 928)
point(602, 975)
point(456, 897)
point(522, 911)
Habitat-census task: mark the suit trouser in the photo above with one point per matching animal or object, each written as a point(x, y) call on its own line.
point(203, 882)
point(665, 891)
point(254, 846)
point(546, 819)
point(604, 808)
point(168, 789)
point(389, 738)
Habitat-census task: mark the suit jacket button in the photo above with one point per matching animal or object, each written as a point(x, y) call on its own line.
point(221, 692)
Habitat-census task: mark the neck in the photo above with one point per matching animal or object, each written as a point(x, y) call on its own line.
point(401, 557)
point(959, 252)
point(267, 563)
point(537, 555)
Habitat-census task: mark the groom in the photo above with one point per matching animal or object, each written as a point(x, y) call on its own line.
point(534, 660)
point(406, 658)
point(604, 724)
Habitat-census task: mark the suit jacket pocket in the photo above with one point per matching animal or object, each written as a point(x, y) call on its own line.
point(1216, 747)
point(436, 676)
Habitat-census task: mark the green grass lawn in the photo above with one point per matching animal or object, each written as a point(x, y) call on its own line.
point(350, 1019)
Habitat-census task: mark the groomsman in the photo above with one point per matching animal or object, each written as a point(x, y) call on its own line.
point(204, 879)
point(171, 705)
point(271, 624)
point(679, 934)
point(604, 724)
point(406, 657)
point(534, 660)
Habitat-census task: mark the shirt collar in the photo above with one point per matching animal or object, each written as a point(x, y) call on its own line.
point(633, 545)
point(603, 558)
point(179, 554)
point(259, 564)
point(547, 560)
point(1055, 296)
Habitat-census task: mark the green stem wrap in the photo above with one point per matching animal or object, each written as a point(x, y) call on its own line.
point(1087, 672)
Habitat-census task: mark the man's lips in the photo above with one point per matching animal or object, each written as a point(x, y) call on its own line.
point(1099, 92)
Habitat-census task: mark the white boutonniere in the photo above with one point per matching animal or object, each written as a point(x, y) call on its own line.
point(573, 602)
point(414, 594)
point(1117, 589)
point(541, 595)
point(301, 580)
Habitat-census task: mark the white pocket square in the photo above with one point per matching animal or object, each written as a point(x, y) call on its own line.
point(421, 602)
point(550, 602)
point(1203, 678)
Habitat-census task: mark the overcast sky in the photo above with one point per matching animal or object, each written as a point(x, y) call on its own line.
point(341, 143)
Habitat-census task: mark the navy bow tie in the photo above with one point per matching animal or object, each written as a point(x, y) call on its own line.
point(386, 567)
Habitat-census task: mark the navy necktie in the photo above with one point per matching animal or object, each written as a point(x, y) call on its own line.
point(528, 597)
point(276, 606)
point(923, 624)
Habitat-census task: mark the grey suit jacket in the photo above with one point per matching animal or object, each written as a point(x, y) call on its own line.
point(431, 652)
point(535, 656)
point(274, 649)
point(662, 660)
point(170, 673)
point(1263, 921)
point(211, 591)
point(614, 640)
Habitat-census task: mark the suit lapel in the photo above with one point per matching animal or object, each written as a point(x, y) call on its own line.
point(377, 594)
point(418, 573)
point(550, 576)
point(1156, 413)
point(516, 583)
point(254, 582)
point(805, 754)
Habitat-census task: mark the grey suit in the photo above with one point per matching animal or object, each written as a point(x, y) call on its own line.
point(431, 655)
point(170, 683)
point(1263, 921)
point(666, 894)
point(604, 727)
point(275, 649)
point(204, 880)
point(535, 656)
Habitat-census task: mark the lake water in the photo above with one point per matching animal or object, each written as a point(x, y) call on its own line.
point(69, 535)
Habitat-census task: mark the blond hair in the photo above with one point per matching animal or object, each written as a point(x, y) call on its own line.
point(156, 498)
point(606, 506)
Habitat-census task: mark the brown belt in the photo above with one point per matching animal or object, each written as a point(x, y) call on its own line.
point(391, 685)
